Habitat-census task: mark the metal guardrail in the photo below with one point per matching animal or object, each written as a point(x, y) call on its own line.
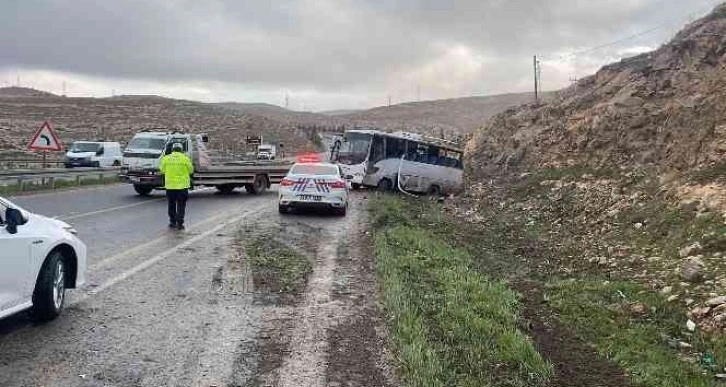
point(28, 180)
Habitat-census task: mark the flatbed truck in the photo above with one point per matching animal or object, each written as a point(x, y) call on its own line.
point(142, 157)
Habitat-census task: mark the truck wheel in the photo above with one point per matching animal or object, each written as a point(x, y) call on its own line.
point(50, 290)
point(142, 189)
point(259, 185)
point(225, 188)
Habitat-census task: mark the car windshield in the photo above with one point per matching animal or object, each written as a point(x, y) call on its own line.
point(153, 143)
point(79, 147)
point(316, 170)
point(354, 148)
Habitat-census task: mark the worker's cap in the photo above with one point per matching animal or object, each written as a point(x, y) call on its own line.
point(177, 146)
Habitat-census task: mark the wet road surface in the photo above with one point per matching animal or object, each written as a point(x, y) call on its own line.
point(161, 308)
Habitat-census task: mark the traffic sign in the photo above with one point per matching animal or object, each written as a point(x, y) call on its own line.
point(257, 140)
point(45, 139)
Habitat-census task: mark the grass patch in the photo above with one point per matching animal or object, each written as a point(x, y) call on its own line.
point(600, 312)
point(708, 174)
point(278, 268)
point(450, 324)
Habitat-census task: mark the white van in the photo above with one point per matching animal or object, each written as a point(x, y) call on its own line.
point(94, 154)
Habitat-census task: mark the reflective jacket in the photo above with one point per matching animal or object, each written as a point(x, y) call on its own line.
point(177, 169)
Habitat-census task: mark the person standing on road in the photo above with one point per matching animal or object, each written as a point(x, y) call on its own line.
point(177, 169)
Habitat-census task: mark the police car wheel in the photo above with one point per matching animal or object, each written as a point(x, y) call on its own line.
point(282, 209)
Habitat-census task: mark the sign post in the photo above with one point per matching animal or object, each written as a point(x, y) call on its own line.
point(45, 140)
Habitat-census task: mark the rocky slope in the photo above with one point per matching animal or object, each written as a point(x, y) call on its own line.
point(664, 108)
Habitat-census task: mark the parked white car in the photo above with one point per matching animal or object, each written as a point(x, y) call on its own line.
point(94, 154)
point(40, 258)
point(314, 185)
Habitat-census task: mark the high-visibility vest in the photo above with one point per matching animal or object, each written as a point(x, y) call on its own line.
point(177, 169)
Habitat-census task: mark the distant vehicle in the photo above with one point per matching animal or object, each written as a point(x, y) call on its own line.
point(386, 161)
point(314, 185)
point(143, 155)
point(41, 258)
point(99, 154)
point(266, 152)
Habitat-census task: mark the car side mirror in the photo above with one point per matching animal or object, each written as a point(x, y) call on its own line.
point(13, 219)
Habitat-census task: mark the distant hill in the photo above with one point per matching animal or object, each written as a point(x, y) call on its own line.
point(456, 116)
point(118, 118)
point(23, 92)
point(284, 115)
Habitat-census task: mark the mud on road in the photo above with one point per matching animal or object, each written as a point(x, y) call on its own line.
point(328, 332)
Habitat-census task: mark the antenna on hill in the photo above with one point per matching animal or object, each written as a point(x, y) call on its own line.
point(389, 100)
point(287, 100)
point(17, 81)
point(64, 89)
point(418, 92)
point(537, 79)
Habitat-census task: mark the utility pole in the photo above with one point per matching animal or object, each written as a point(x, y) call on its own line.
point(287, 100)
point(418, 92)
point(64, 89)
point(389, 101)
point(537, 79)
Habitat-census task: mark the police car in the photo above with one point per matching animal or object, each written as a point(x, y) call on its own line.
point(315, 185)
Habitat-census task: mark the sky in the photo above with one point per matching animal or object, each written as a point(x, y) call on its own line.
point(323, 54)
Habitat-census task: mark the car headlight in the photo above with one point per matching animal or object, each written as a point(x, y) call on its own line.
point(71, 229)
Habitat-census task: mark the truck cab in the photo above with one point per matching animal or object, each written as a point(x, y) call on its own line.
point(142, 157)
point(266, 152)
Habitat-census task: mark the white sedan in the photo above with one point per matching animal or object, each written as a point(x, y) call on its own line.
point(314, 185)
point(39, 259)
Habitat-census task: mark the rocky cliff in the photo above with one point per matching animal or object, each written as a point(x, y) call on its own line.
point(666, 108)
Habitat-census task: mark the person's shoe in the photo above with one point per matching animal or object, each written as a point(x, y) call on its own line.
point(172, 225)
point(180, 227)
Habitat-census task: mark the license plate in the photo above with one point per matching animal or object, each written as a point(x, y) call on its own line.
point(310, 198)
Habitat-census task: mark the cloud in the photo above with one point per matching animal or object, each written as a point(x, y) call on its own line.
point(329, 51)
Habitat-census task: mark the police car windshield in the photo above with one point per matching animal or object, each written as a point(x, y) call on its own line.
point(316, 170)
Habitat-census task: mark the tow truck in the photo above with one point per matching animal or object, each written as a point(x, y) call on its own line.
point(143, 155)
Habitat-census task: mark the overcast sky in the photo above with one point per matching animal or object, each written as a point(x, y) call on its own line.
point(325, 54)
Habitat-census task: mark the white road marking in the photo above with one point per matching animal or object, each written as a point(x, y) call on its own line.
point(85, 214)
point(164, 255)
point(144, 246)
point(72, 216)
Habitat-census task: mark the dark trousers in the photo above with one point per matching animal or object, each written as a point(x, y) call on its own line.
point(177, 200)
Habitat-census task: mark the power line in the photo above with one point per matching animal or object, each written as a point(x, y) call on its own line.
point(633, 36)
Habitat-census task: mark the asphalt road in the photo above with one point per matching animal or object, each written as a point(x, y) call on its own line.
point(151, 313)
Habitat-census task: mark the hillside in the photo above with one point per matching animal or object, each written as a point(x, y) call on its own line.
point(622, 177)
point(23, 92)
point(118, 118)
point(664, 109)
point(457, 116)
